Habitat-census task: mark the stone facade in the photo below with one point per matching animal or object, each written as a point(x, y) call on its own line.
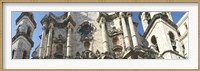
point(107, 35)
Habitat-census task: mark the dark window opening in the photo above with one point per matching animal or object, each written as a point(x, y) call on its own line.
point(186, 26)
point(171, 35)
point(115, 40)
point(154, 42)
point(24, 55)
point(174, 48)
point(87, 45)
point(179, 34)
point(13, 53)
point(172, 39)
point(29, 32)
point(183, 46)
point(59, 51)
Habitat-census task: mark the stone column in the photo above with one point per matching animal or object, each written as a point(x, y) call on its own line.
point(42, 49)
point(132, 30)
point(49, 42)
point(125, 31)
point(69, 51)
point(104, 34)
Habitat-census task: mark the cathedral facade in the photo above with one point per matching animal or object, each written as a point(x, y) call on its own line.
point(99, 35)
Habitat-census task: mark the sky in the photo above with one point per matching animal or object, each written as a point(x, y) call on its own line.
point(176, 16)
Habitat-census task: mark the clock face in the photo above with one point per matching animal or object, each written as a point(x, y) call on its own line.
point(85, 29)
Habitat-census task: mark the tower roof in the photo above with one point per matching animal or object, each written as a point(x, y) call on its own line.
point(28, 14)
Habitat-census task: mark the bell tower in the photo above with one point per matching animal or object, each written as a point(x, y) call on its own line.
point(146, 17)
point(22, 41)
point(162, 34)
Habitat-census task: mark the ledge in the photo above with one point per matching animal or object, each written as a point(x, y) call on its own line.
point(23, 34)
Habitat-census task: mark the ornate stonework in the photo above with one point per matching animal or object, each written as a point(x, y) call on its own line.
point(101, 35)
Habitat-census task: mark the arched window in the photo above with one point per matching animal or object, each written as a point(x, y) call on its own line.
point(171, 35)
point(24, 55)
point(59, 48)
point(29, 32)
point(59, 51)
point(13, 53)
point(154, 42)
point(87, 45)
point(115, 40)
point(172, 39)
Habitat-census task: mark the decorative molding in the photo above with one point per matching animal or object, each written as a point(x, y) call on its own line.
point(25, 35)
point(60, 39)
point(113, 32)
point(86, 34)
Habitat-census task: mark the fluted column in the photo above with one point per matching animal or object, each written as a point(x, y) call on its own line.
point(69, 51)
point(132, 30)
point(49, 42)
point(104, 34)
point(42, 49)
point(125, 31)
